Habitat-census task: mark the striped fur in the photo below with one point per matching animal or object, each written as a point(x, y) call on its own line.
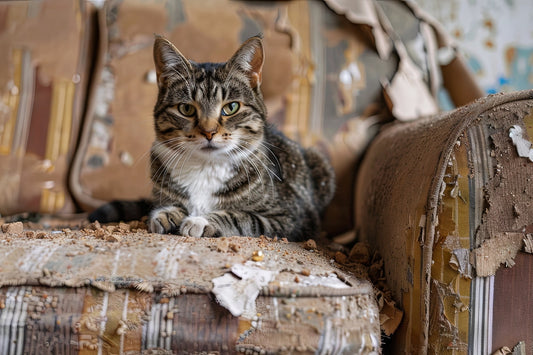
point(217, 167)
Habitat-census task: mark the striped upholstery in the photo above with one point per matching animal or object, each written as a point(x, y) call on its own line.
point(103, 291)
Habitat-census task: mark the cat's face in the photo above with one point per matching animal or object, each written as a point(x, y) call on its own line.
point(209, 109)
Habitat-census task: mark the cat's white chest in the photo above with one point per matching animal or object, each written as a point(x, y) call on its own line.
point(203, 180)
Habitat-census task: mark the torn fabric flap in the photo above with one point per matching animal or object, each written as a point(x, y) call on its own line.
point(407, 94)
point(363, 12)
point(444, 40)
point(237, 291)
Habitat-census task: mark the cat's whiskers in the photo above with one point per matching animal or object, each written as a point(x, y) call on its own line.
point(162, 159)
point(246, 159)
point(265, 144)
point(183, 162)
point(170, 158)
point(254, 154)
point(276, 163)
point(168, 153)
point(239, 163)
point(267, 158)
point(270, 172)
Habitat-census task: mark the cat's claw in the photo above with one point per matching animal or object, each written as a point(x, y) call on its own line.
point(196, 227)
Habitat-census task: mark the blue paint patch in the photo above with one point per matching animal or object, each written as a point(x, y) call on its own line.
point(503, 80)
point(445, 102)
point(520, 70)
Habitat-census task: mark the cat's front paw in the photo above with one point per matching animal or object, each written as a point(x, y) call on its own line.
point(165, 220)
point(197, 227)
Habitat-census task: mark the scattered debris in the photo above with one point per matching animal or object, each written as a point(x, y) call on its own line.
point(389, 317)
point(234, 247)
point(502, 351)
point(340, 257)
point(257, 255)
point(330, 280)
point(360, 253)
point(222, 245)
point(310, 244)
point(13, 228)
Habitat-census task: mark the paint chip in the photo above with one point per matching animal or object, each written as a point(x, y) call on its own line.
point(523, 146)
point(460, 261)
point(499, 249)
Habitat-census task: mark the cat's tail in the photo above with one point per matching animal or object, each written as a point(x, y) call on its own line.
point(121, 211)
point(322, 175)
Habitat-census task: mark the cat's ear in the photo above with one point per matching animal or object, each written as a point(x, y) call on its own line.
point(169, 61)
point(249, 58)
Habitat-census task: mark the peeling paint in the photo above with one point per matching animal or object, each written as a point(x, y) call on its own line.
point(449, 334)
point(518, 349)
point(523, 146)
point(528, 243)
point(500, 249)
point(460, 261)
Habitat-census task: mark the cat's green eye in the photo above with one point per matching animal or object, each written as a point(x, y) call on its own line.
point(230, 109)
point(187, 110)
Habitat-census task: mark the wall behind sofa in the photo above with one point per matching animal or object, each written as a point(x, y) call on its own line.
point(495, 36)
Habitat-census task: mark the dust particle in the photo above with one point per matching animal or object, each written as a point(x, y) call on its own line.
point(234, 247)
point(13, 228)
point(222, 245)
point(310, 244)
point(340, 257)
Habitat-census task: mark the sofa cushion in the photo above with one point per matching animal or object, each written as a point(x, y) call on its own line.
point(118, 289)
point(45, 56)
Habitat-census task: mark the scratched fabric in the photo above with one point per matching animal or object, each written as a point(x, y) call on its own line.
point(447, 202)
point(115, 290)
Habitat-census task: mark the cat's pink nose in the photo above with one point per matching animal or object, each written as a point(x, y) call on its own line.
point(209, 134)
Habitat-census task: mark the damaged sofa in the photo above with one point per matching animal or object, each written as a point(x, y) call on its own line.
point(76, 125)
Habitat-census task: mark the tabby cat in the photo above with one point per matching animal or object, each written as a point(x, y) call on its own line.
point(217, 167)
